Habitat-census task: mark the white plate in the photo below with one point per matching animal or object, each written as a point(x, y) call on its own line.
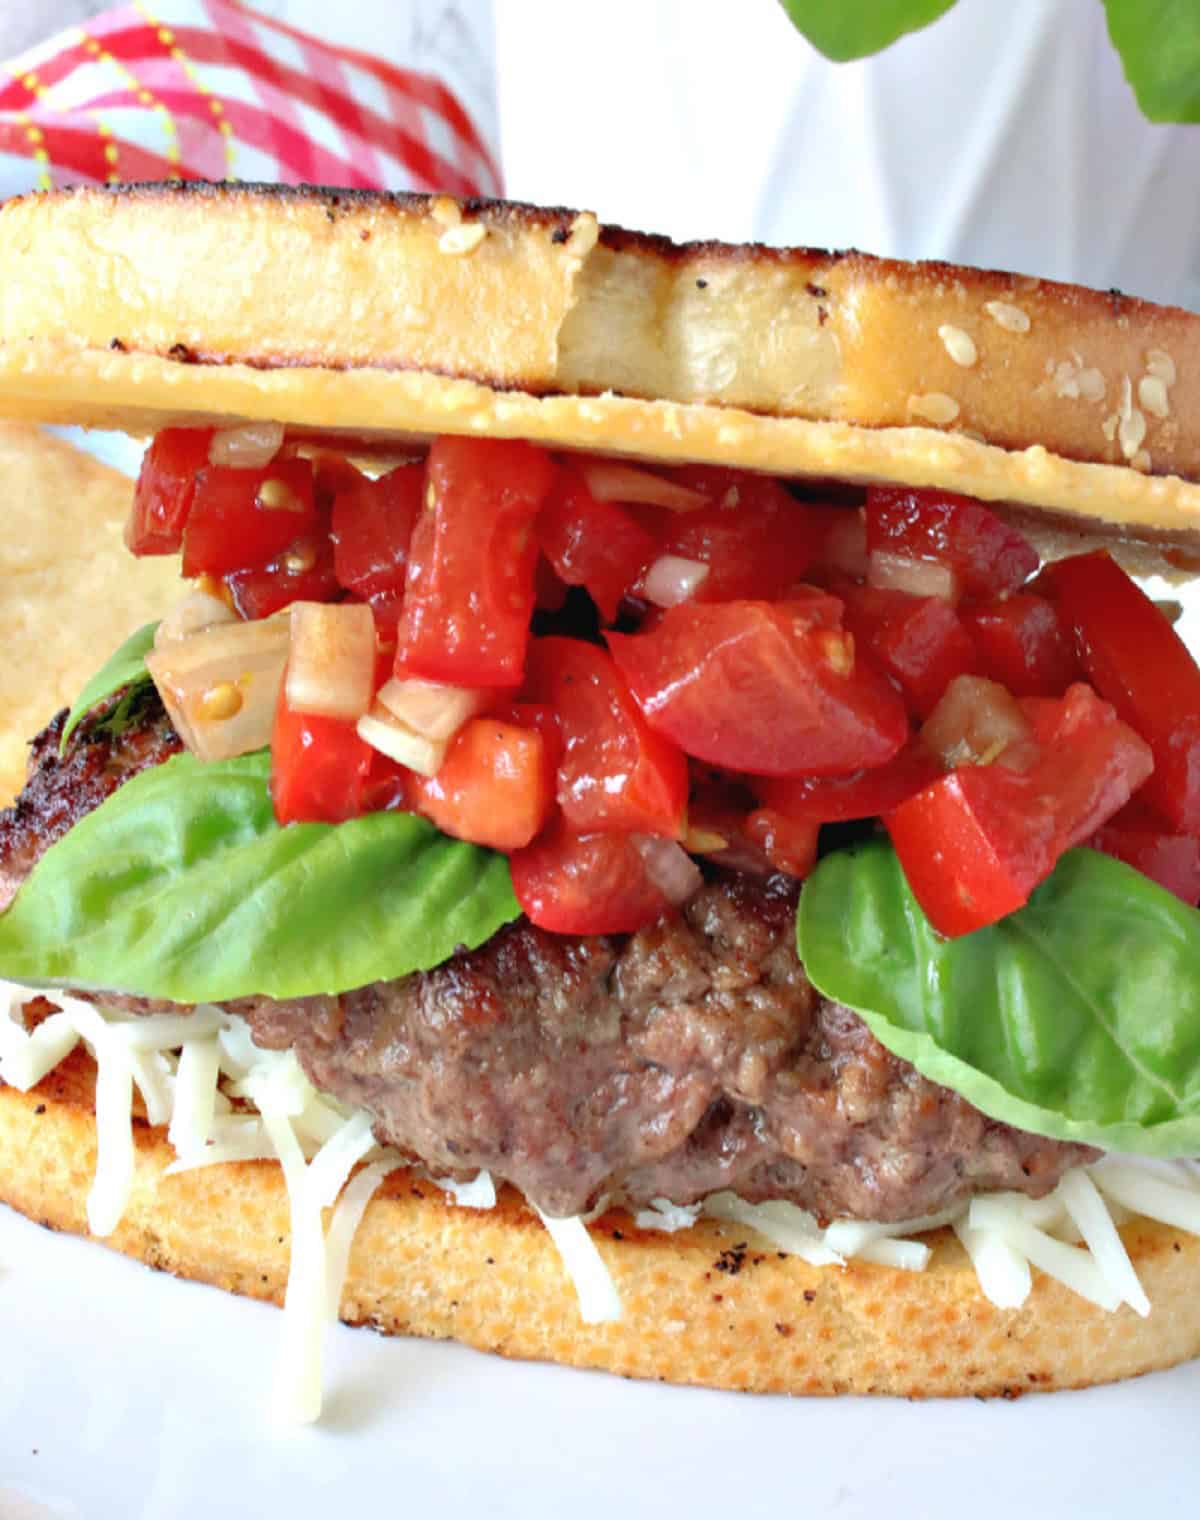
point(126, 1393)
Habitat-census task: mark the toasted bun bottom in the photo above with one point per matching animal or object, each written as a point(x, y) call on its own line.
point(707, 1306)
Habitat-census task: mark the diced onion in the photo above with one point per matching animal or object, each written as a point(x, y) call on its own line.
point(250, 447)
point(672, 579)
point(669, 867)
point(193, 614)
point(977, 722)
point(599, 1301)
point(845, 546)
point(394, 739)
point(220, 686)
point(609, 480)
point(331, 662)
point(919, 577)
point(430, 708)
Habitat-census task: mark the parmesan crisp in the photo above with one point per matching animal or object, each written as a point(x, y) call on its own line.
point(70, 591)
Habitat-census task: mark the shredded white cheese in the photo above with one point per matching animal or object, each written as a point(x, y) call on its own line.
point(787, 1227)
point(599, 1301)
point(1003, 1273)
point(343, 1227)
point(223, 1099)
point(1085, 1206)
point(665, 1215)
point(479, 1193)
point(113, 1181)
point(195, 1109)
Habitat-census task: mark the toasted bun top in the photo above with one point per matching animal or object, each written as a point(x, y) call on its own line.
point(387, 315)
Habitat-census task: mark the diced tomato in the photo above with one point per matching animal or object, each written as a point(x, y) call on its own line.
point(866, 794)
point(986, 554)
point(788, 844)
point(165, 488)
point(765, 688)
point(241, 519)
point(1143, 839)
point(549, 589)
point(756, 538)
point(585, 883)
point(494, 787)
point(1136, 661)
point(385, 787)
point(469, 589)
point(842, 547)
point(333, 474)
point(319, 767)
point(594, 544)
point(726, 827)
point(303, 573)
point(979, 721)
point(976, 843)
point(616, 772)
point(918, 640)
point(538, 715)
point(387, 607)
point(371, 528)
point(1022, 645)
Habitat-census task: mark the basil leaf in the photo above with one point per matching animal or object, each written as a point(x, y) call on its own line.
point(1076, 1017)
point(181, 885)
point(1159, 44)
point(845, 29)
point(128, 664)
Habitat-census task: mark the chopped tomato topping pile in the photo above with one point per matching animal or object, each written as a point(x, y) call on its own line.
point(595, 667)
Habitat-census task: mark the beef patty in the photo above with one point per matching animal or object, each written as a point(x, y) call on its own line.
point(689, 1057)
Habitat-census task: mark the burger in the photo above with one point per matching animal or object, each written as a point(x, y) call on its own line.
point(660, 832)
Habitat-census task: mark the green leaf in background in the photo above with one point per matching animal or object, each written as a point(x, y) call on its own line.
point(1158, 40)
point(846, 29)
point(1077, 1016)
point(126, 665)
point(182, 886)
point(1159, 44)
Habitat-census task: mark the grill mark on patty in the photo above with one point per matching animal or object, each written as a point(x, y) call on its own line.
point(59, 792)
point(690, 1057)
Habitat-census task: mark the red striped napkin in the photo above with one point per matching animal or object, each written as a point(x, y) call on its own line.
point(208, 89)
